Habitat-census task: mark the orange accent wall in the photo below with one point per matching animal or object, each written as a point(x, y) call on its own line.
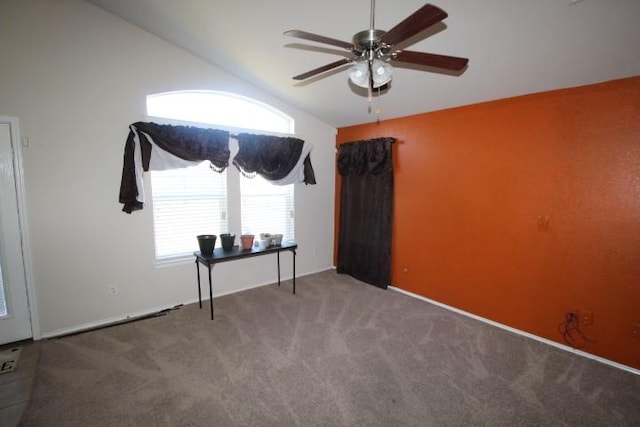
point(523, 209)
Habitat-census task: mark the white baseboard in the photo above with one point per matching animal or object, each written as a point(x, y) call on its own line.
point(132, 316)
point(523, 333)
point(100, 323)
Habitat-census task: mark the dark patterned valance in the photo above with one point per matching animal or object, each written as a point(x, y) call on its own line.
point(184, 142)
point(189, 142)
point(272, 157)
point(365, 158)
point(281, 160)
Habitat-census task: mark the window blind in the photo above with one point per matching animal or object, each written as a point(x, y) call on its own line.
point(266, 208)
point(187, 202)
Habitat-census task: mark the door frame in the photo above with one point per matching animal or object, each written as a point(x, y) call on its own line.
point(18, 172)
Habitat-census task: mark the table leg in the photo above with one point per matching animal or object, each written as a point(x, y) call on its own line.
point(199, 293)
point(278, 267)
point(294, 271)
point(210, 292)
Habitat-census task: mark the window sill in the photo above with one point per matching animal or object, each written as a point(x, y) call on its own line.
point(173, 261)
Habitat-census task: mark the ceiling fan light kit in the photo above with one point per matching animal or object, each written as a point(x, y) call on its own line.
point(372, 50)
point(382, 74)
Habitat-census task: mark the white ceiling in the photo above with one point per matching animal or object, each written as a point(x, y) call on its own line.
point(514, 47)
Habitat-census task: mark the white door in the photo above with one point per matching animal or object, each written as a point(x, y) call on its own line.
point(15, 321)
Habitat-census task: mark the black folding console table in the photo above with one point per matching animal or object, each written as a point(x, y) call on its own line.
point(220, 255)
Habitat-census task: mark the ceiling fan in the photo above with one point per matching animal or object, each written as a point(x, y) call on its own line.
point(372, 50)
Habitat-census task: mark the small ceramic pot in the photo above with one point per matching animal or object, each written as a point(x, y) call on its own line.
point(227, 241)
point(247, 241)
point(207, 242)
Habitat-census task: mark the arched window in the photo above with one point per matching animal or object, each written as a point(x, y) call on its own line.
point(196, 200)
point(219, 108)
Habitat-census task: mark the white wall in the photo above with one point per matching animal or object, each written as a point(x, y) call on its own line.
point(76, 77)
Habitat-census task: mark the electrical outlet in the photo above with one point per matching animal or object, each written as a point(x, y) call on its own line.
point(635, 330)
point(114, 289)
point(585, 317)
point(543, 223)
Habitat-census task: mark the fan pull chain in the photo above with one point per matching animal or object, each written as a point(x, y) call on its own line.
point(377, 108)
point(370, 75)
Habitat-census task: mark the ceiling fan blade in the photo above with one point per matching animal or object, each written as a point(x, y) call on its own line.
point(431, 60)
point(320, 39)
point(421, 19)
point(322, 69)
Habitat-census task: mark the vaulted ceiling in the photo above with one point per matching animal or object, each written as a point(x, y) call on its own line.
point(514, 47)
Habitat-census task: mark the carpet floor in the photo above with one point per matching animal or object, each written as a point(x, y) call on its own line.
point(338, 353)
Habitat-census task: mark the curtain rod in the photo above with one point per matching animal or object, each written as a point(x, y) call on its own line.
point(284, 135)
point(176, 122)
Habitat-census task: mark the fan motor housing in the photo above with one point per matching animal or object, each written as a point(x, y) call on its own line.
point(368, 40)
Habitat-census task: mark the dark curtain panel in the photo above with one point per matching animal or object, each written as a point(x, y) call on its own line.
point(186, 142)
point(366, 199)
point(272, 157)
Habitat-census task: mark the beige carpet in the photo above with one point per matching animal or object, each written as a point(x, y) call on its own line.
point(338, 353)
